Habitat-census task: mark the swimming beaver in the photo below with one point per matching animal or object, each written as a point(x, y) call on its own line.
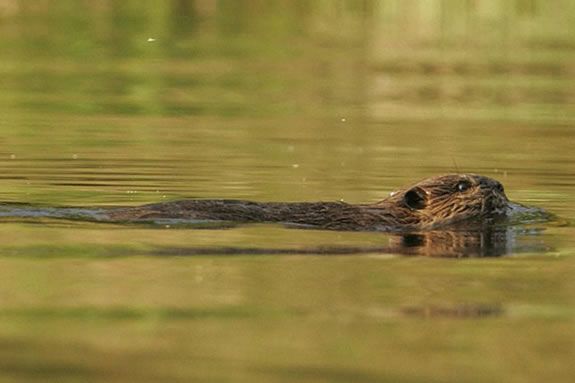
point(431, 203)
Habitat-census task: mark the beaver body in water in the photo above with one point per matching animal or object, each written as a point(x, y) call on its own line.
point(436, 202)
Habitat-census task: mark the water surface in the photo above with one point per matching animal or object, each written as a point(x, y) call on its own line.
point(114, 103)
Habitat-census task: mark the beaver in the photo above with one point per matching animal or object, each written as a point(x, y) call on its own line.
point(436, 202)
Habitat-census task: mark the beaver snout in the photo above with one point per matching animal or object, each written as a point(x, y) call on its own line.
point(491, 186)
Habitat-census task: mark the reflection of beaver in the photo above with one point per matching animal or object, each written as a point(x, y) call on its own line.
point(434, 202)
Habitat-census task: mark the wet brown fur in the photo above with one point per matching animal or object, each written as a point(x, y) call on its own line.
point(434, 202)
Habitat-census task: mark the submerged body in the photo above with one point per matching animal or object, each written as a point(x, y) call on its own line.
point(435, 202)
point(449, 216)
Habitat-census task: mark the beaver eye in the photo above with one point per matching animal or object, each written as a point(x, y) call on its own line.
point(463, 186)
point(500, 187)
point(415, 198)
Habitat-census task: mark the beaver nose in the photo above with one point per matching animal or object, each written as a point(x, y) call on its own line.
point(492, 184)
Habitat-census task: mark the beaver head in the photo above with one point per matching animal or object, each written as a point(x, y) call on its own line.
point(447, 199)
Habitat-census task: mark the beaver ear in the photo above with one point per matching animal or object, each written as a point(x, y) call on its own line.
point(415, 198)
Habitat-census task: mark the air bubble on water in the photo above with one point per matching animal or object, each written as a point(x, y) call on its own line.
point(151, 39)
point(74, 156)
point(295, 166)
point(12, 156)
point(343, 120)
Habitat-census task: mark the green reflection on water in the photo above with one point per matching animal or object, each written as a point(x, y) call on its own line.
point(115, 102)
point(125, 313)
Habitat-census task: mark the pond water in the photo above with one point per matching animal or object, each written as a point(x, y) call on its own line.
point(107, 103)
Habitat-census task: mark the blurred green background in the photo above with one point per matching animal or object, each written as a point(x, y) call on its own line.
point(124, 102)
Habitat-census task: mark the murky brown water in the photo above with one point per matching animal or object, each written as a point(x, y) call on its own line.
point(114, 103)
